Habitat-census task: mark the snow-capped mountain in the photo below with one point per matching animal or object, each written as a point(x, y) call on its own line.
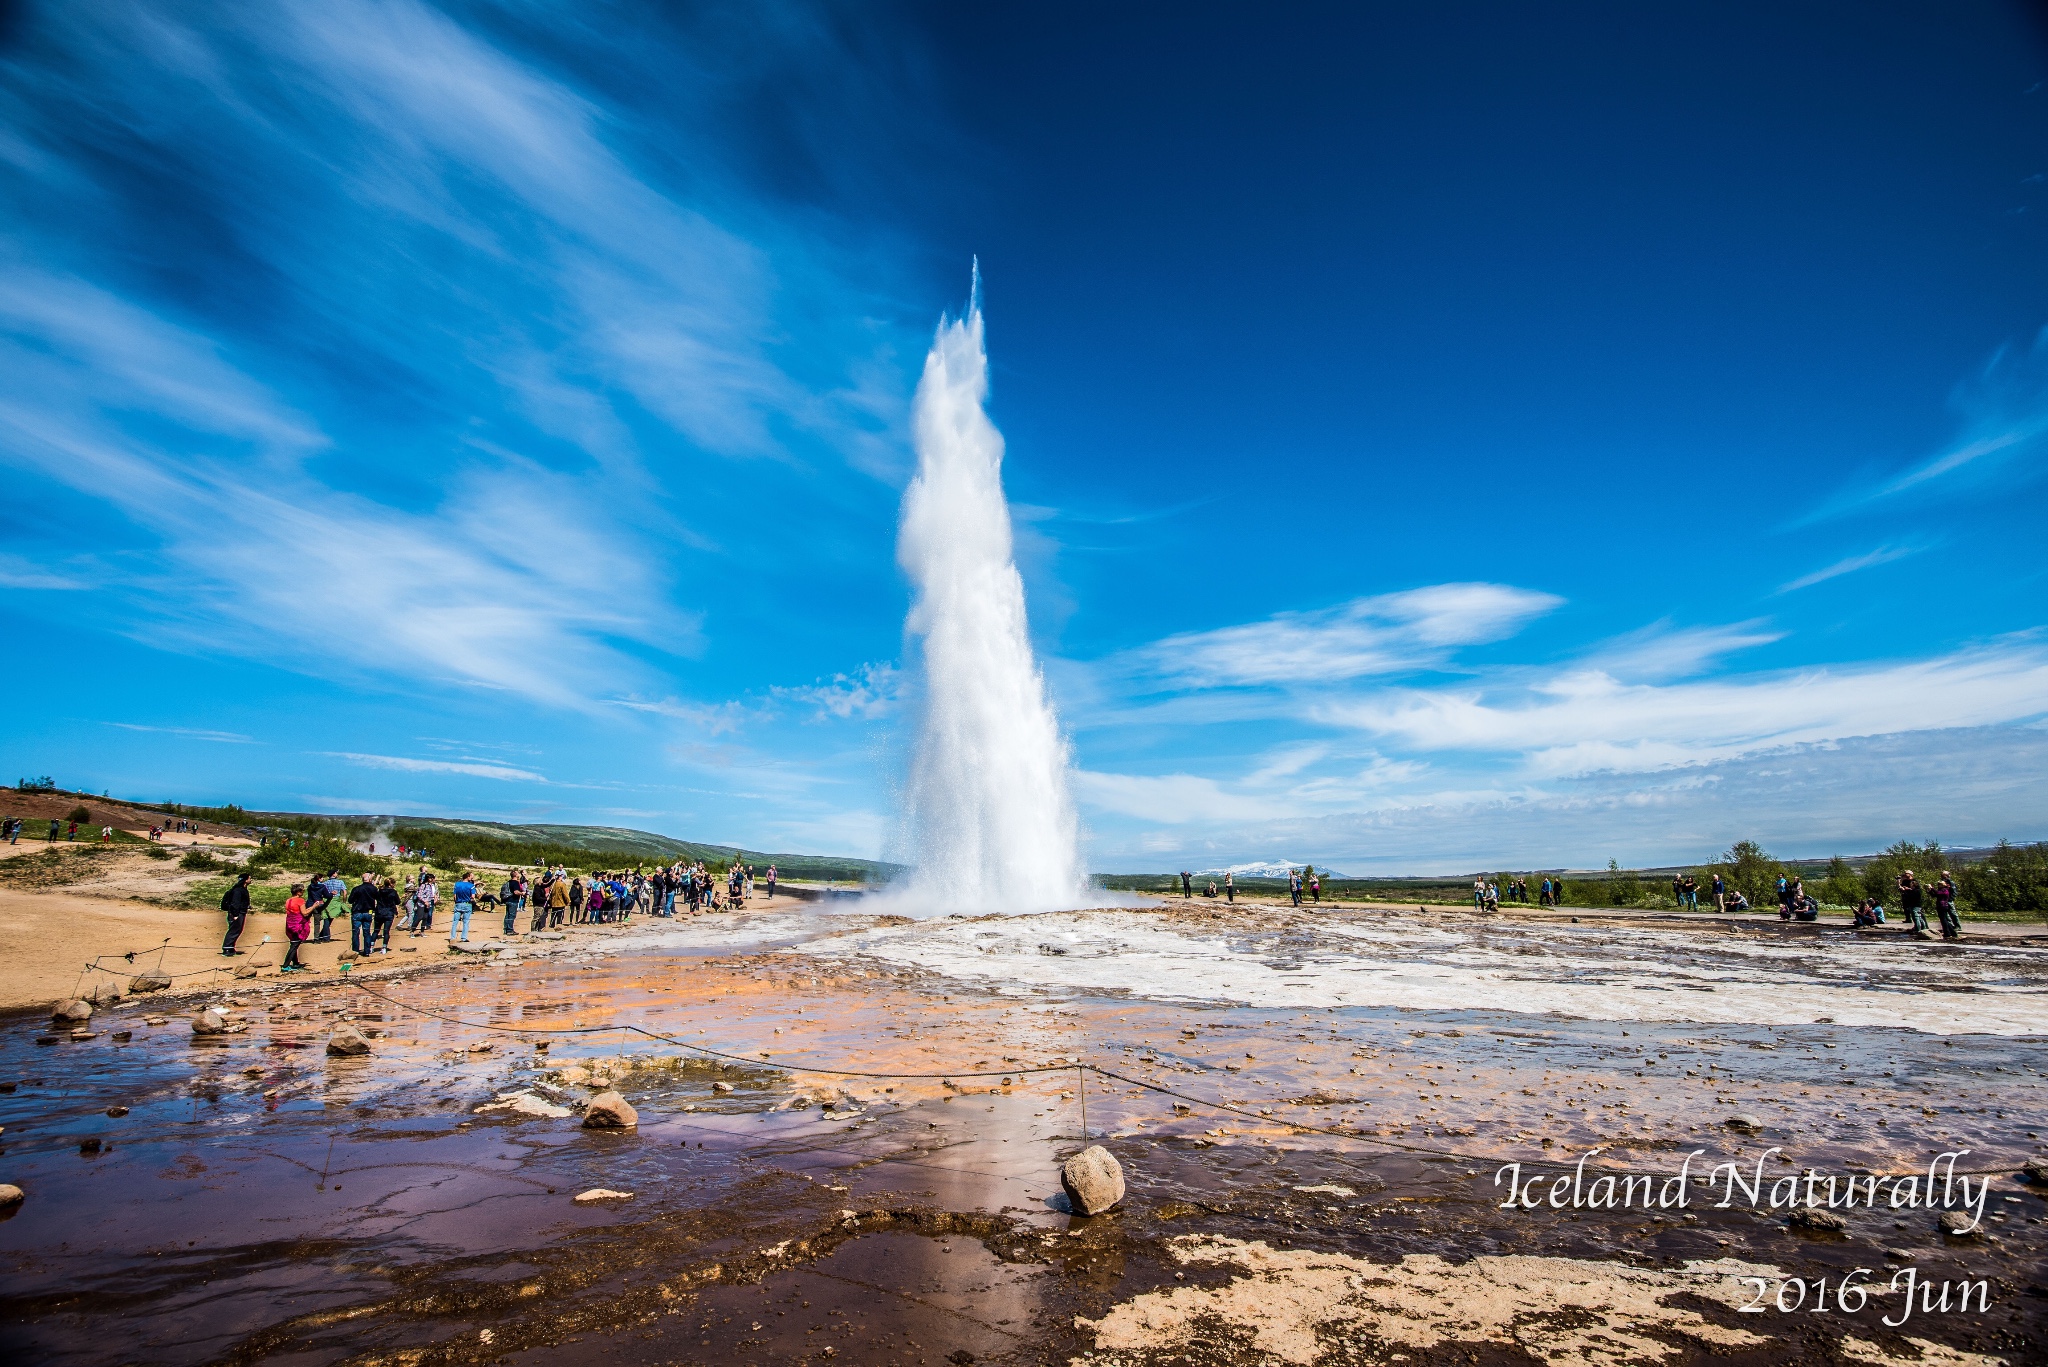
point(1270, 868)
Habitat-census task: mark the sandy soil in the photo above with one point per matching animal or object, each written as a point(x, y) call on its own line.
point(91, 937)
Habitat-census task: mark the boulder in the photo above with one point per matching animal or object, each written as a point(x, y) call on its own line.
point(76, 1009)
point(1806, 1217)
point(1748, 1124)
point(209, 1022)
point(1093, 1179)
point(1957, 1224)
point(10, 1196)
point(347, 1042)
point(2035, 1171)
point(610, 1111)
point(524, 1103)
point(151, 981)
point(106, 994)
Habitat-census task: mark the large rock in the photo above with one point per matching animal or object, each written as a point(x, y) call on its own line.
point(2036, 1171)
point(1808, 1217)
point(524, 1103)
point(1093, 1179)
point(150, 981)
point(610, 1111)
point(76, 1009)
point(1958, 1224)
point(209, 1022)
point(347, 1042)
point(1748, 1124)
point(10, 1196)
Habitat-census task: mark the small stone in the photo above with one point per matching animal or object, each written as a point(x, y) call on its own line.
point(596, 1194)
point(152, 981)
point(1093, 1179)
point(610, 1111)
point(10, 1196)
point(1806, 1217)
point(76, 1009)
point(1743, 1121)
point(482, 1046)
point(122, 1036)
point(2036, 1171)
point(209, 1022)
point(1958, 1225)
point(721, 1087)
point(117, 1111)
point(156, 1020)
point(89, 1146)
point(347, 1042)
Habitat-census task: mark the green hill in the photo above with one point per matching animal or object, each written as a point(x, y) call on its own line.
point(505, 842)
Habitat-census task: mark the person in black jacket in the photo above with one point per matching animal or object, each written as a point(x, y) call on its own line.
point(235, 902)
point(387, 912)
point(362, 915)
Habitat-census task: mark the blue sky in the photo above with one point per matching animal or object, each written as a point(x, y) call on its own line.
point(1438, 436)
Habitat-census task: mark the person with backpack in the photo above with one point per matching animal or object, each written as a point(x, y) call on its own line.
point(513, 896)
point(234, 904)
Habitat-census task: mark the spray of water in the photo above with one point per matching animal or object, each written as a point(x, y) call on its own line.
point(988, 815)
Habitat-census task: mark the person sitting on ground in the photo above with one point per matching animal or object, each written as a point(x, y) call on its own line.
point(1868, 913)
point(1736, 901)
point(1210, 891)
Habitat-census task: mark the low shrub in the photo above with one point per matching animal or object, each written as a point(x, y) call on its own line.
point(199, 861)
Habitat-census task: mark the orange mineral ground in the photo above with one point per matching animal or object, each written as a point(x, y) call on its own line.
point(850, 1128)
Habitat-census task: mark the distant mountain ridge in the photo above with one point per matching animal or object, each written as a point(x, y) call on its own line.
point(1271, 868)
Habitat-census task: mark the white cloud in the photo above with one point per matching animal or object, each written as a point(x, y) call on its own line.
point(16, 572)
point(1386, 634)
point(1664, 652)
point(1883, 555)
point(869, 692)
point(502, 772)
point(1588, 719)
point(190, 733)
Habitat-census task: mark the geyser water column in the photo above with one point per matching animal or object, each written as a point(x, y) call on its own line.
point(989, 819)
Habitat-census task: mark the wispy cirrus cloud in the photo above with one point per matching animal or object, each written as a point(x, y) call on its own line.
point(2004, 432)
point(474, 769)
point(1882, 555)
point(1385, 634)
point(1585, 720)
point(451, 310)
point(189, 733)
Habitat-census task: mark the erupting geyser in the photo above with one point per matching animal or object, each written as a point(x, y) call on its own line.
point(990, 822)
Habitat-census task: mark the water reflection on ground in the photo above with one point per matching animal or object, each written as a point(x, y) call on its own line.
point(260, 1198)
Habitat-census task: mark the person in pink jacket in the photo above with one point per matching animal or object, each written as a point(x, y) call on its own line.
point(297, 926)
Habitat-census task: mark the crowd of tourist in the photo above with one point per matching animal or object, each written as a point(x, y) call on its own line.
point(549, 896)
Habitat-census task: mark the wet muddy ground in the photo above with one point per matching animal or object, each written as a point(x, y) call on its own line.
point(259, 1199)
